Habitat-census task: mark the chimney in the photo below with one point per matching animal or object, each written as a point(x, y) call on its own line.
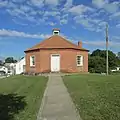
point(80, 44)
point(56, 31)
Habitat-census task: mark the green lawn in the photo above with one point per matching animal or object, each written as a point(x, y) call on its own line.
point(96, 97)
point(20, 97)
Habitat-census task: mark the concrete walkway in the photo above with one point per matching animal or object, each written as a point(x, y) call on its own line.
point(57, 104)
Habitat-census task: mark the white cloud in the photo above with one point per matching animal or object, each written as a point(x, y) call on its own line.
point(99, 3)
point(65, 16)
point(19, 11)
point(12, 33)
point(74, 27)
point(3, 3)
point(95, 43)
point(93, 20)
point(19, 23)
point(15, 12)
point(51, 23)
point(118, 25)
point(30, 18)
point(38, 3)
point(86, 23)
point(102, 43)
point(115, 15)
point(18, 1)
point(12, 5)
point(116, 38)
point(33, 13)
point(110, 7)
point(102, 24)
point(81, 20)
point(98, 13)
point(25, 8)
point(51, 13)
point(100, 27)
point(63, 21)
point(90, 24)
point(80, 9)
point(52, 2)
point(26, 14)
point(58, 17)
point(69, 3)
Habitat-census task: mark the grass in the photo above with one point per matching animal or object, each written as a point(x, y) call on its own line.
point(96, 97)
point(20, 97)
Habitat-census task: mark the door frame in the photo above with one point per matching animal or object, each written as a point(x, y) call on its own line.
point(50, 61)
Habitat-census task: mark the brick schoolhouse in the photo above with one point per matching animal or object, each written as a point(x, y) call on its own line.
point(56, 54)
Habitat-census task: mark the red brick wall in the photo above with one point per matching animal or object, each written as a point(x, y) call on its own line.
point(37, 62)
point(67, 60)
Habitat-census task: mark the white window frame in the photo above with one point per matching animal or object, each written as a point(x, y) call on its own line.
point(31, 63)
point(56, 31)
point(81, 60)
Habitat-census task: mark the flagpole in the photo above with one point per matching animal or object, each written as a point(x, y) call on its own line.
point(107, 65)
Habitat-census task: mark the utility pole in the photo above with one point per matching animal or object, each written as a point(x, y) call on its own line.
point(107, 66)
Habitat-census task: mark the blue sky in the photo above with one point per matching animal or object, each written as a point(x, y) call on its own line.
point(24, 23)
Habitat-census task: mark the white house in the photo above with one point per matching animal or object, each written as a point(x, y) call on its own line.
point(3, 70)
point(11, 68)
point(20, 66)
point(117, 69)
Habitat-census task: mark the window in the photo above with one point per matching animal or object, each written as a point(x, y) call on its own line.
point(56, 33)
point(79, 60)
point(32, 60)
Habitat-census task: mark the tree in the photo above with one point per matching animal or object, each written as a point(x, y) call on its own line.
point(10, 60)
point(97, 53)
point(97, 61)
point(96, 64)
point(118, 60)
point(1, 62)
point(119, 55)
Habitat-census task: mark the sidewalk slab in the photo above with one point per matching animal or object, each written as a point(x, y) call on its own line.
point(57, 103)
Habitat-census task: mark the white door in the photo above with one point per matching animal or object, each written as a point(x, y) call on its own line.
point(55, 63)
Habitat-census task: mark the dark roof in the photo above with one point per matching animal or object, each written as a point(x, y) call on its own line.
point(56, 29)
point(55, 42)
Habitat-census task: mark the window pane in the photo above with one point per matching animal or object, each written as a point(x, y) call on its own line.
point(78, 57)
point(33, 60)
point(79, 60)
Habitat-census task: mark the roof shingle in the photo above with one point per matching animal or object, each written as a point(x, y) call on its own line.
point(53, 42)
